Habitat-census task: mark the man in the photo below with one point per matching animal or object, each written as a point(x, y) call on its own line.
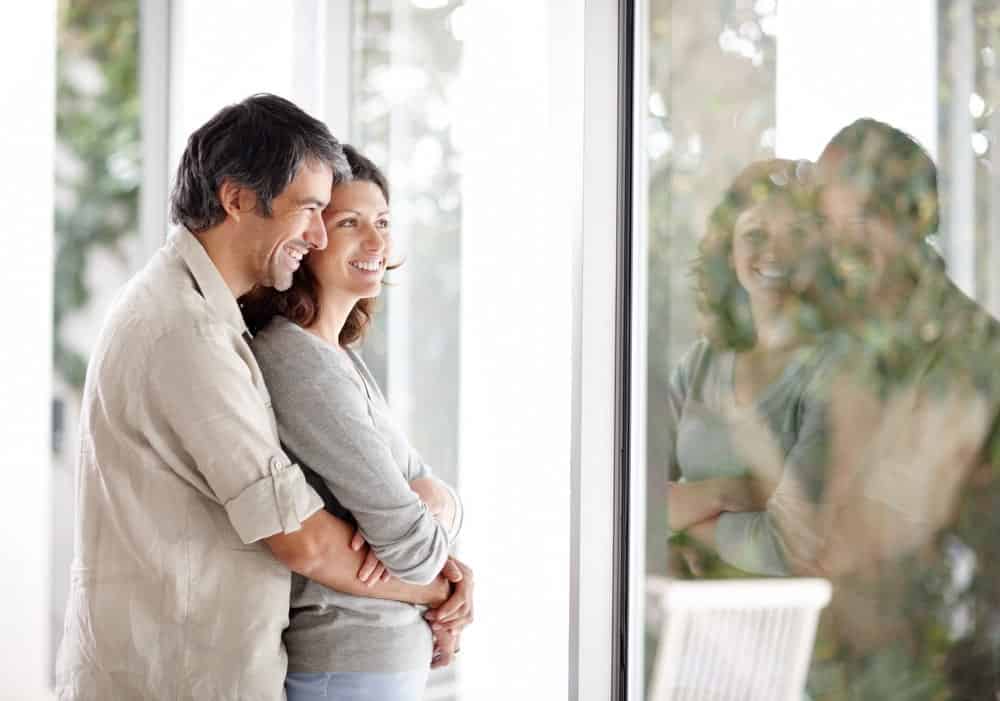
point(931, 349)
point(906, 527)
point(189, 515)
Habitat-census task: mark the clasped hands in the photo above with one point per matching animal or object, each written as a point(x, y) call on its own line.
point(449, 619)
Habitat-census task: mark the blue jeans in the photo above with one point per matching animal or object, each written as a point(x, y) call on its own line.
point(356, 686)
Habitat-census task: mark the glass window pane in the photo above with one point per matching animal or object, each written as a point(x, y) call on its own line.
point(822, 349)
point(473, 337)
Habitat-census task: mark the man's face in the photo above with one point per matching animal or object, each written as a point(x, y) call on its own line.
point(276, 244)
point(862, 245)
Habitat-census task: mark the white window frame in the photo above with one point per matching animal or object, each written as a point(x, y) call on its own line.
point(597, 627)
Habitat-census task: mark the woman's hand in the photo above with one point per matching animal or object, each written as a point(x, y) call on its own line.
point(455, 613)
point(372, 570)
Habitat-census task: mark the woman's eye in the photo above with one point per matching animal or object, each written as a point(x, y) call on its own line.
point(347, 222)
point(382, 223)
point(755, 236)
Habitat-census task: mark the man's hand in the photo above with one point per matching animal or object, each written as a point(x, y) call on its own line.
point(372, 570)
point(455, 613)
point(446, 648)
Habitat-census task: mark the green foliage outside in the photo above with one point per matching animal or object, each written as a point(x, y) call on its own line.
point(98, 151)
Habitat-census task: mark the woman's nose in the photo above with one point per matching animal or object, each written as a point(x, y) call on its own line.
point(777, 248)
point(374, 239)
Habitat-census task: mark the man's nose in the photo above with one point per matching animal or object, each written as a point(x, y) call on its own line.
point(315, 235)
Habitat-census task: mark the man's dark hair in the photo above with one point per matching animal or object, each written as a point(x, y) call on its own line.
point(894, 171)
point(259, 143)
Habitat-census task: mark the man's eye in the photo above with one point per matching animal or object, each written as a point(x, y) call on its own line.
point(755, 236)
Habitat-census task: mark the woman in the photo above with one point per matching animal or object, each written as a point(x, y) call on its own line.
point(334, 420)
point(756, 368)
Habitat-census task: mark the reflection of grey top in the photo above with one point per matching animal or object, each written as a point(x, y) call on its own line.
point(333, 419)
point(707, 425)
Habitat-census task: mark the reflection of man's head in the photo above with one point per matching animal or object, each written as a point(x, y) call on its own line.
point(879, 201)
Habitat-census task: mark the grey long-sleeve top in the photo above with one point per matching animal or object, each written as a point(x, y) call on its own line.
point(705, 426)
point(334, 420)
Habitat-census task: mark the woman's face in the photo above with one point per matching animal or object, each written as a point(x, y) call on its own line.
point(357, 224)
point(768, 240)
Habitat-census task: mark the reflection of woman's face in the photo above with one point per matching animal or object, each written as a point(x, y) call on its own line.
point(357, 224)
point(767, 240)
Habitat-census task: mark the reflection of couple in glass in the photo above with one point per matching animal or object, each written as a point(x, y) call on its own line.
point(208, 455)
point(837, 407)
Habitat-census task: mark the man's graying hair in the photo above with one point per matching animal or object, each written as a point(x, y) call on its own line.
point(259, 143)
point(894, 172)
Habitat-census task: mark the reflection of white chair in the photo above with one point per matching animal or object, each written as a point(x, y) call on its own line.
point(734, 640)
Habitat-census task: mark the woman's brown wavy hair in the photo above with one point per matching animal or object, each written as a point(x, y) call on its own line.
point(300, 302)
point(723, 304)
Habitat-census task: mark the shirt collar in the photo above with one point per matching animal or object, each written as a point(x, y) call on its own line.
point(208, 278)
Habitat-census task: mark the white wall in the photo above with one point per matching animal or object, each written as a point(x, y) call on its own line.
point(27, 140)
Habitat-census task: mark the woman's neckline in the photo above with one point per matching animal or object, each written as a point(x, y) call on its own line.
point(793, 365)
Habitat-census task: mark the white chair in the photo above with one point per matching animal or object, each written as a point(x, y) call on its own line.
point(734, 640)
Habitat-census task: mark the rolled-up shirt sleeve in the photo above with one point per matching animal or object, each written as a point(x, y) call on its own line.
point(202, 389)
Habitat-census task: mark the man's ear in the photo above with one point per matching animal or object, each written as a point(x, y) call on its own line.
point(236, 199)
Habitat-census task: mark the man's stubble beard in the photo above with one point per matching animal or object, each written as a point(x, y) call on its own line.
point(279, 278)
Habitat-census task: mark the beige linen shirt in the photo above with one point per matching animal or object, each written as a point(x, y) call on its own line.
point(179, 477)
